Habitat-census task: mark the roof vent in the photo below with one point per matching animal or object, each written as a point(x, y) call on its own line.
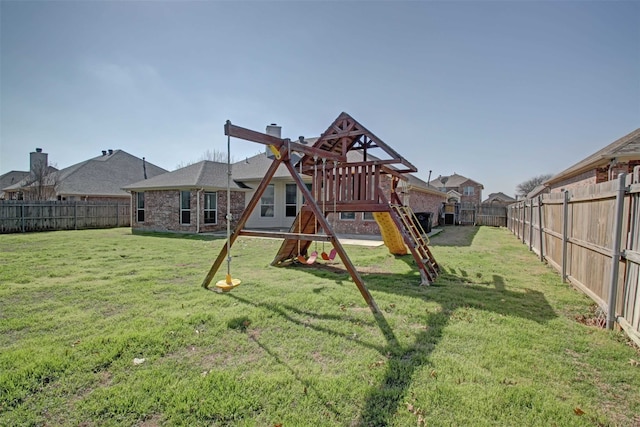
point(110, 151)
point(104, 152)
point(38, 150)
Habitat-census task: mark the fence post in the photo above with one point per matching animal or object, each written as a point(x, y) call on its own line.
point(530, 224)
point(75, 215)
point(524, 218)
point(565, 225)
point(22, 216)
point(540, 224)
point(615, 256)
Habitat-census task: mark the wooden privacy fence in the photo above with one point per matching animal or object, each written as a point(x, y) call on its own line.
point(492, 215)
point(591, 235)
point(24, 216)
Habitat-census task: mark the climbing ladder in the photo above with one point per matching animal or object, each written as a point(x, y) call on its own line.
point(417, 241)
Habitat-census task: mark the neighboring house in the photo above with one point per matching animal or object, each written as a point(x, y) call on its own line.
point(192, 199)
point(459, 188)
point(98, 179)
point(11, 178)
point(621, 156)
point(39, 168)
point(498, 199)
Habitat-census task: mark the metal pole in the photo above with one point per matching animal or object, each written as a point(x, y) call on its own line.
point(565, 225)
point(540, 224)
point(615, 256)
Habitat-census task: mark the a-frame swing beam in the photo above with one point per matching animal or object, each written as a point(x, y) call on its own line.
point(263, 138)
point(284, 146)
point(324, 224)
point(243, 218)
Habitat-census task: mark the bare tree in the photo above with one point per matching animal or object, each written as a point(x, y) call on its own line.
point(42, 182)
point(527, 186)
point(211, 155)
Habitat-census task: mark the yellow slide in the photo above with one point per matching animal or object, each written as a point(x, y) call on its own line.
point(390, 233)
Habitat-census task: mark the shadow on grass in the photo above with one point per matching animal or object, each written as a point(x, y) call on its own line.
point(455, 235)
point(452, 290)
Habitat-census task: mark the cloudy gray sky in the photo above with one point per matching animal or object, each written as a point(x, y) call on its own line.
point(498, 91)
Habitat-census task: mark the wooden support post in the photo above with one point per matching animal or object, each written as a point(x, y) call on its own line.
point(245, 216)
point(615, 256)
point(530, 224)
point(565, 231)
point(334, 241)
point(541, 233)
point(523, 209)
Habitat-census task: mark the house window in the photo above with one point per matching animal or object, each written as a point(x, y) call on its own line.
point(267, 202)
point(349, 216)
point(140, 207)
point(290, 202)
point(185, 207)
point(468, 191)
point(367, 216)
point(210, 208)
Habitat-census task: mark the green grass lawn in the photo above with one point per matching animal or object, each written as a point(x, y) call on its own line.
point(493, 342)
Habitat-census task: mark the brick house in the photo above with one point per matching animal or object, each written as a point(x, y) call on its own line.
point(464, 190)
point(621, 156)
point(192, 199)
point(98, 179)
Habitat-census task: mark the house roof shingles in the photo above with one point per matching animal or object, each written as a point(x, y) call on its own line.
point(454, 180)
point(100, 176)
point(205, 174)
point(627, 146)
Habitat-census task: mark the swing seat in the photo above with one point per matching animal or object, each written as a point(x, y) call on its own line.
point(330, 256)
point(313, 257)
point(301, 259)
point(228, 283)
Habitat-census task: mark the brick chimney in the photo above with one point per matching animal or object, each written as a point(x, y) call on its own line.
point(38, 160)
point(273, 130)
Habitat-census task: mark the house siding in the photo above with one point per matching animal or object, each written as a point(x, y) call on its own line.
point(594, 176)
point(162, 211)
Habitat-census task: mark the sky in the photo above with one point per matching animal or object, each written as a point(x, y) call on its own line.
point(497, 91)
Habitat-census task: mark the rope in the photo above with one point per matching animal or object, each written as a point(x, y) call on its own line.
point(315, 195)
point(229, 216)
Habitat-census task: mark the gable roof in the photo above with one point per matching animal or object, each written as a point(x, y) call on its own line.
point(10, 179)
point(454, 180)
point(500, 196)
point(206, 174)
point(625, 148)
point(103, 175)
point(345, 135)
